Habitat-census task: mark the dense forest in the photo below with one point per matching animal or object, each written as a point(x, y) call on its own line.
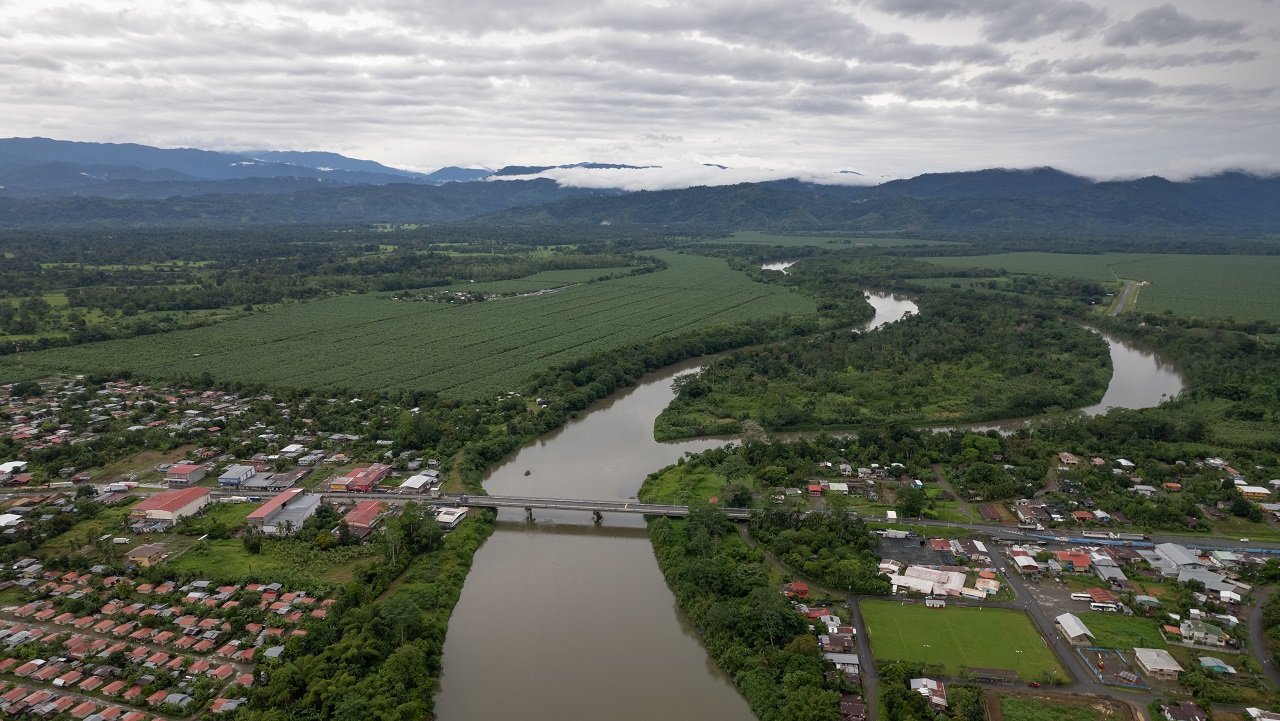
point(962, 358)
point(747, 626)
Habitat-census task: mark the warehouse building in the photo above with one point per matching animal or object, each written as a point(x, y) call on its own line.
point(171, 506)
point(184, 474)
point(285, 513)
point(235, 475)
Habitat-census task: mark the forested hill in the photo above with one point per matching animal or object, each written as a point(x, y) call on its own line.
point(396, 203)
point(1042, 201)
point(994, 203)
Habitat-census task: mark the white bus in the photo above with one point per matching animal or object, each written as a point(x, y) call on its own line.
point(1081, 597)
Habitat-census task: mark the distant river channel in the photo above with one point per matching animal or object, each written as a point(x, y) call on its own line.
point(561, 618)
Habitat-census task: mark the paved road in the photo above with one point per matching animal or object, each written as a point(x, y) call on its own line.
point(1124, 298)
point(1257, 642)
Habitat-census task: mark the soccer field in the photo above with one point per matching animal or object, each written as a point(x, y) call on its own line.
point(958, 638)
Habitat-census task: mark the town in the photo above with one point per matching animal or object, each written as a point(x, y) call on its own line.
point(153, 583)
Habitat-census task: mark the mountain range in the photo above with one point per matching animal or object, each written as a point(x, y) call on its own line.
point(41, 167)
point(50, 183)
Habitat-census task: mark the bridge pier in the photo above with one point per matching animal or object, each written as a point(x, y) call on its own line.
point(528, 514)
point(598, 516)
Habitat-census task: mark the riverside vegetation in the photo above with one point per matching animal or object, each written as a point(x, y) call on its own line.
point(962, 358)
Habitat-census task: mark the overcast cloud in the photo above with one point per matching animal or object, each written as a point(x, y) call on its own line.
point(770, 88)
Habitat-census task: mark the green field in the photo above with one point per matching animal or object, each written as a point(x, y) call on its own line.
point(755, 237)
point(537, 281)
point(958, 638)
point(284, 561)
point(1115, 630)
point(1015, 708)
point(471, 350)
point(1242, 287)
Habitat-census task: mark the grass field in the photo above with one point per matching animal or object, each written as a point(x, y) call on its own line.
point(1242, 287)
point(537, 281)
point(282, 561)
point(755, 237)
point(83, 535)
point(472, 350)
point(1115, 630)
point(1017, 708)
point(958, 637)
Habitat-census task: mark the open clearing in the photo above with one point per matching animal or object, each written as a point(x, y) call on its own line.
point(1058, 707)
point(1115, 630)
point(227, 560)
point(470, 350)
point(1243, 287)
point(959, 638)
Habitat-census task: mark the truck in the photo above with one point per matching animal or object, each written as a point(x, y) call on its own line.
point(122, 487)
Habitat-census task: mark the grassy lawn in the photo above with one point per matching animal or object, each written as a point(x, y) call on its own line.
point(1234, 527)
point(141, 463)
point(677, 485)
point(85, 533)
point(1115, 630)
point(950, 511)
point(958, 637)
point(231, 514)
point(283, 561)
point(1015, 708)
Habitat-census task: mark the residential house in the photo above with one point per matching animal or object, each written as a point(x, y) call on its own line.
point(1184, 711)
point(934, 691)
point(1157, 663)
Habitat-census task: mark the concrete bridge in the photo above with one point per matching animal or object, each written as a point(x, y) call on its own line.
point(529, 503)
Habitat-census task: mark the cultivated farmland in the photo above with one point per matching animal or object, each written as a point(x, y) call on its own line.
point(958, 638)
point(472, 350)
point(757, 238)
point(1243, 287)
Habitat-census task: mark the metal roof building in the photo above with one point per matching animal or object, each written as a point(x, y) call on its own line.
point(1073, 627)
point(365, 514)
point(292, 506)
point(1178, 555)
point(1157, 663)
point(172, 505)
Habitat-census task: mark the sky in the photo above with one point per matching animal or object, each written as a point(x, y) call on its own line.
point(769, 88)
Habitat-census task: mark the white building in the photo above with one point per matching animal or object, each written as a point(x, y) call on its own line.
point(1157, 663)
point(172, 506)
point(1073, 628)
